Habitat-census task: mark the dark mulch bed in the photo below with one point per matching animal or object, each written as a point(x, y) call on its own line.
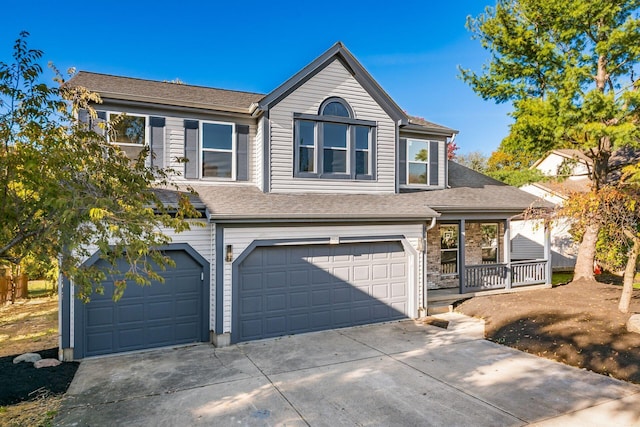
point(22, 382)
point(578, 324)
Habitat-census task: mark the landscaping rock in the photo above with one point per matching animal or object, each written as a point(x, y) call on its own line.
point(27, 357)
point(633, 324)
point(46, 363)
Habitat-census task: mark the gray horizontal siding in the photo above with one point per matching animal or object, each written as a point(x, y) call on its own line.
point(334, 80)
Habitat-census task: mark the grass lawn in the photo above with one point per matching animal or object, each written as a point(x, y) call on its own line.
point(40, 288)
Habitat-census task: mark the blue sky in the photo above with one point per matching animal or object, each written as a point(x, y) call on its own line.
point(412, 48)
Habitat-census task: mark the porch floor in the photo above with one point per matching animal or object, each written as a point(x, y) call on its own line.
point(439, 300)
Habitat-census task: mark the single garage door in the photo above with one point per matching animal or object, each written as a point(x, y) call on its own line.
point(159, 315)
point(293, 289)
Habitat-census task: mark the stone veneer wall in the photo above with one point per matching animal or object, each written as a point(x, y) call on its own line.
point(473, 254)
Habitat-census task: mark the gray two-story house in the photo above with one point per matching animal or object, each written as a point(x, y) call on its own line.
point(325, 206)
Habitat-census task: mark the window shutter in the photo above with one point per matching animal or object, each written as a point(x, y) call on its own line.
point(191, 149)
point(402, 161)
point(434, 157)
point(83, 115)
point(95, 124)
point(242, 152)
point(157, 141)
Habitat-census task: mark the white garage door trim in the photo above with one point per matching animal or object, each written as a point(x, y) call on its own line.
point(411, 257)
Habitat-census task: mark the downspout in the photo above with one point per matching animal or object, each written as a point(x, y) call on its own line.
point(425, 228)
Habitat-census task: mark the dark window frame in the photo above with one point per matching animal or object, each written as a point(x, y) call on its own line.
point(351, 123)
point(455, 250)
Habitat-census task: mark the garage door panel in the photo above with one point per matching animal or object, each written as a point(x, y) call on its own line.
point(342, 294)
point(276, 257)
point(251, 304)
point(299, 322)
point(147, 316)
point(275, 280)
point(342, 273)
point(100, 341)
point(380, 272)
point(276, 302)
point(381, 291)
point(276, 325)
point(319, 277)
point(326, 286)
point(251, 282)
point(160, 335)
point(398, 290)
point(298, 278)
point(320, 297)
point(100, 316)
point(131, 313)
point(251, 328)
point(298, 300)
point(320, 320)
point(361, 273)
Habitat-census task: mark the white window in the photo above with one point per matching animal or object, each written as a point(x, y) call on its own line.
point(128, 131)
point(417, 162)
point(217, 148)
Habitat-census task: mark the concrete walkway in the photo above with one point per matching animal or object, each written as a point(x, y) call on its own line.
point(403, 373)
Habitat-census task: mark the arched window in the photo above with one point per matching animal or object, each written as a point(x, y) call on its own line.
point(335, 106)
point(334, 144)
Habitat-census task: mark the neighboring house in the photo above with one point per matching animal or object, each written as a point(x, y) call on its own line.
point(568, 172)
point(325, 206)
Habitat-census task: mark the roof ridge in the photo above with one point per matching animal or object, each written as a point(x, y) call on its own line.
point(167, 82)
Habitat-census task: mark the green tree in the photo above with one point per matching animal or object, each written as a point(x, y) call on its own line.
point(474, 160)
point(64, 191)
point(568, 68)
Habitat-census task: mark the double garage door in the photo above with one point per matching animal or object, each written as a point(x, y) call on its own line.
point(169, 313)
point(293, 289)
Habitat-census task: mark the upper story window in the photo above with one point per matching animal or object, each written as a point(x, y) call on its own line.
point(417, 162)
point(334, 144)
point(217, 150)
point(128, 131)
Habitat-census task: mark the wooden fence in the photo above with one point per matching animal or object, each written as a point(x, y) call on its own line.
point(12, 293)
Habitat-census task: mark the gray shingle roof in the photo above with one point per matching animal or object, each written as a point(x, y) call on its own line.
point(127, 88)
point(471, 191)
point(248, 203)
point(420, 122)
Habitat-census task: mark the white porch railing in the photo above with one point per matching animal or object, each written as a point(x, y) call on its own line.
point(504, 275)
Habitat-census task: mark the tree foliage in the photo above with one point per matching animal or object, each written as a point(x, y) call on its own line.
point(65, 192)
point(569, 68)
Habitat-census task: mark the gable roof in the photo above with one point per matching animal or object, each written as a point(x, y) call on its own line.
point(340, 52)
point(567, 153)
point(165, 93)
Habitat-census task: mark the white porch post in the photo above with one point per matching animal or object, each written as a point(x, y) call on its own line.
point(547, 251)
point(507, 252)
point(462, 246)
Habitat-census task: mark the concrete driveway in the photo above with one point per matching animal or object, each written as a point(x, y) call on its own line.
point(403, 373)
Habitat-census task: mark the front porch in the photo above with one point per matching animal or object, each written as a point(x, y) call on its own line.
point(475, 259)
